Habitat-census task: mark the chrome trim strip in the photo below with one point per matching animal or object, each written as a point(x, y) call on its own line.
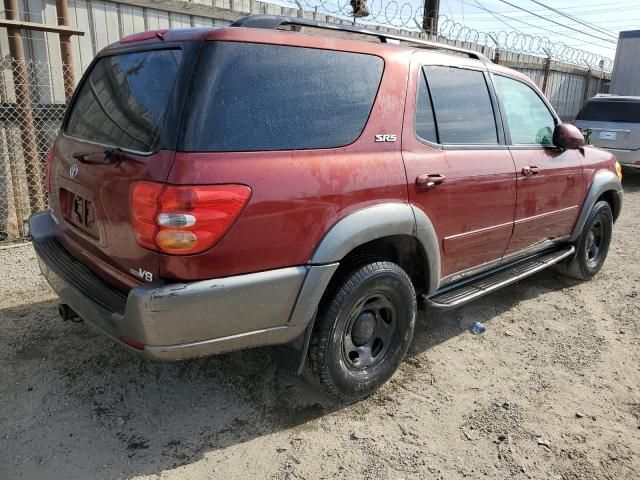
point(546, 214)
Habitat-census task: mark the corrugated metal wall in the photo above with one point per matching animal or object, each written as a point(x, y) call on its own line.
point(626, 70)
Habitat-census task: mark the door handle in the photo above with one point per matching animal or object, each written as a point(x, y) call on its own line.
point(529, 171)
point(426, 180)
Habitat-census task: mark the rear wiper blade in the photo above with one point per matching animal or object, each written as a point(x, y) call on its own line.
point(108, 152)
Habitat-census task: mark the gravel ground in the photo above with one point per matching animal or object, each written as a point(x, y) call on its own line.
point(551, 390)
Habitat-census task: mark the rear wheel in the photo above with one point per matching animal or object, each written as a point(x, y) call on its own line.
point(593, 244)
point(364, 330)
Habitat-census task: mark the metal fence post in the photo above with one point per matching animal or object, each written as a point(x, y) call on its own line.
point(23, 104)
point(66, 50)
point(547, 69)
point(587, 86)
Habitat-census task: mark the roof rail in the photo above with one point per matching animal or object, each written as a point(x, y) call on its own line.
point(273, 22)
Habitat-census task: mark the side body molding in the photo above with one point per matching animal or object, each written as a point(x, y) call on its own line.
point(603, 181)
point(376, 222)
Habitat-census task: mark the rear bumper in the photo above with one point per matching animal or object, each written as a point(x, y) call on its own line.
point(184, 320)
point(626, 158)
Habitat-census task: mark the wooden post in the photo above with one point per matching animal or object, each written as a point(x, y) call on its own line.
point(430, 17)
point(66, 50)
point(25, 112)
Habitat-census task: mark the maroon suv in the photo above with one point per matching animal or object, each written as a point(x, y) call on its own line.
point(222, 189)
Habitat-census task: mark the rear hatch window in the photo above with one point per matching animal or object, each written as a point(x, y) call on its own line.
point(123, 100)
point(614, 124)
point(623, 112)
point(248, 97)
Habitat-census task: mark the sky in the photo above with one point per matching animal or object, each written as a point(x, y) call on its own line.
point(607, 19)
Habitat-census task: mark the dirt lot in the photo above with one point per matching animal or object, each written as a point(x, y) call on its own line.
point(551, 390)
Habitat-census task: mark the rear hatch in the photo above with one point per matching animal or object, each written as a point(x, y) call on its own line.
point(120, 129)
point(614, 123)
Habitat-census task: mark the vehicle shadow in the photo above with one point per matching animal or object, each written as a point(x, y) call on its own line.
point(631, 181)
point(143, 417)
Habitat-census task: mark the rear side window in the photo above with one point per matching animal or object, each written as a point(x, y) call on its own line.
point(463, 108)
point(123, 99)
point(271, 97)
point(425, 121)
point(624, 112)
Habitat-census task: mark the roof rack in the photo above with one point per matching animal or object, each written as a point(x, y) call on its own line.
point(273, 22)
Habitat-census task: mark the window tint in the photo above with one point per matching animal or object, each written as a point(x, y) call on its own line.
point(272, 97)
point(123, 99)
point(462, 104)
point(530, 121)
point(613, 111)
point(425, 124)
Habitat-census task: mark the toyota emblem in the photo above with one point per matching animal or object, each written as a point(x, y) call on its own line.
point(73, 170)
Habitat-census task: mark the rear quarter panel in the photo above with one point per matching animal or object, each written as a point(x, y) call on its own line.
point(298, 195)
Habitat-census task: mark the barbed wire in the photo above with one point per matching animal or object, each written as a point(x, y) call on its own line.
point(409, 16)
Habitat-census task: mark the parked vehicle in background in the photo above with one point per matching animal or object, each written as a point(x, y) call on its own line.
point(612, 122)
point(625, 77)
point(222, 189)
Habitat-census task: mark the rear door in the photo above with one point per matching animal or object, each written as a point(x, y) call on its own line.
point(548, 179)
point(116, 133)
point(459, 170)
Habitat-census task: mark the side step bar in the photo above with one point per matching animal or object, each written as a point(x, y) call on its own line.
point(469, 289)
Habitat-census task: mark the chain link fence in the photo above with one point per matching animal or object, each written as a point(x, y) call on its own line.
point(30, 115)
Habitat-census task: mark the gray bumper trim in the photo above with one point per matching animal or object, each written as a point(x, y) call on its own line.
point(184, 320)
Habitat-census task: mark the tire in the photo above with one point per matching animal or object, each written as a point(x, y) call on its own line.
point(593, 244)
point(363, 331)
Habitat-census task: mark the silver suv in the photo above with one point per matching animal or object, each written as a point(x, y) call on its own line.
point(613, 123)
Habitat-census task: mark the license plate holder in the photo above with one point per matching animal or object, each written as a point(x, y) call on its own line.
point(82, 213)
point(605, 135)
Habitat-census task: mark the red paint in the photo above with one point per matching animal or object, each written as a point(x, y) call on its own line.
point(482, 209)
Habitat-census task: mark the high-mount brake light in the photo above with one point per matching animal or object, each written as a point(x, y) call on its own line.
point(184, 220)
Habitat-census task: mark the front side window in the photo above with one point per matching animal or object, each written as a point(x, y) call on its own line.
point(249, 97)
point(123, 99)
point(462, 104)
point(529, 120)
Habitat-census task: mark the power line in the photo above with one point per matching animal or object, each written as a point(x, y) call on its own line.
point(571, 17)
point(585, 11)
point(538, 27)
point(557, 23)
point(497, 17)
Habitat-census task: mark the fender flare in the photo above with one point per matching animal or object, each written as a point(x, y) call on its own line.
point(603, 181)
point(379, 221)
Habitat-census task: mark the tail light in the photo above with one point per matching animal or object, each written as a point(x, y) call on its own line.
point(184, 219)
point(47, 171)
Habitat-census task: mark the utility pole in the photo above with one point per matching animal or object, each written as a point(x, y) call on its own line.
point(430, 16)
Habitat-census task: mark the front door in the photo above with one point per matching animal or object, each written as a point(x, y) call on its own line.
point(548, 179)
point(459, 171)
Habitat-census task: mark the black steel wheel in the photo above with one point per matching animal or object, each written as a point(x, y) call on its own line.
point(363, 330)
point(593, 245)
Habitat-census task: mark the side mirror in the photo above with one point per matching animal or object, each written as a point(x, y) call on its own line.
point(568, 137)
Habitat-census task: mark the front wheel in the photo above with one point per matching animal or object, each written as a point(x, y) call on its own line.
point(363, 331)
point(593, 244)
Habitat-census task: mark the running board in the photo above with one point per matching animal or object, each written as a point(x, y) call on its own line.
point(469, 289)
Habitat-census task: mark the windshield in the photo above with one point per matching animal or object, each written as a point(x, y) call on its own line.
point(122, 101)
